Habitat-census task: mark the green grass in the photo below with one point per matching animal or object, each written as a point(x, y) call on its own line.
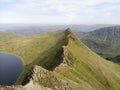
point(66, 58)
point(37, 49)
point(90, 68)
point(105, 49)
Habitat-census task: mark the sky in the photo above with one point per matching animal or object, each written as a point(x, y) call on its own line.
point(60, 11)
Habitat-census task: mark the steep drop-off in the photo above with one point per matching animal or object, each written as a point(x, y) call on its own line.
point(60, 61)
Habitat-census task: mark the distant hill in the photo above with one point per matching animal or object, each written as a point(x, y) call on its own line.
point(60, 61)
point(104, 41)
point(30, 29)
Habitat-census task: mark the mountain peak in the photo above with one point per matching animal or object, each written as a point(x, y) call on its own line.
point(68, 31)
point(60, 61)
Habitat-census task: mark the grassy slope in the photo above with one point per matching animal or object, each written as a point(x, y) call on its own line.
point(83, 66)
point(28, 48)
point(104, 41)
point(38, 49)
point(89, 69)
point(104, 49)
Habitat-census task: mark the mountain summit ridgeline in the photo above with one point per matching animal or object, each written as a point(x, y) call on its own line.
point(60, 61)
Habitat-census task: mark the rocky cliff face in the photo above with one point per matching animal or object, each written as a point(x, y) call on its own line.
point(47, 79)
point(39, 78)
point(74, 67)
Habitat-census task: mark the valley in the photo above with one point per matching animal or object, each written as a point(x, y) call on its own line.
point(104, 41)
point(59, 61)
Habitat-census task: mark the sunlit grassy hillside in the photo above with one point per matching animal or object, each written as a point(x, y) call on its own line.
point(63, 62)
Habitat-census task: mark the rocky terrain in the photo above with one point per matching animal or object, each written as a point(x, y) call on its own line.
point(59, 61)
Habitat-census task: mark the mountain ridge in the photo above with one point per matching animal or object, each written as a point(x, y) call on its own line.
point(79, 67)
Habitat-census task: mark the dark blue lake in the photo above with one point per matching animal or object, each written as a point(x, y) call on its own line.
point(10, 69)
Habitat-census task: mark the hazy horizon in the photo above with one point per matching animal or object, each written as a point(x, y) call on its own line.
point(49, 27)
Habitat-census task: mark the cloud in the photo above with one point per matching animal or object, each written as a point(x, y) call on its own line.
point(70, 10)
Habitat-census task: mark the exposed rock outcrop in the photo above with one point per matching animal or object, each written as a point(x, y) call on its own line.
point(47, 79)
